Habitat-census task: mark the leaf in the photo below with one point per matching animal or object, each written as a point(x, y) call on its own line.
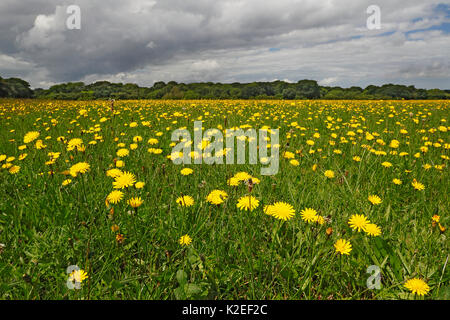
point(192, 289)
point(181, 277)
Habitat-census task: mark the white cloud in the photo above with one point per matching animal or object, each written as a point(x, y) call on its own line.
point(145, 41)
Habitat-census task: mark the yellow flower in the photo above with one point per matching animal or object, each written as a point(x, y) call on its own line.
point(185, 201)
point(309, 215)
point(139, 185)
point(135, 202)
point(358, 222)
point(66, 182)
point(120, 163)
point(372, 229)
point(329, 174)
point(294, 162)
point(185, 240)
point(115, 196)
point(30, 136)
point(282, 210)
point(14, 169)
point(217, 197)
point(80, 167)
point(242, 176)
point(343, 246)
point(374, 199)
point(417, 185)
point(386, 164)
point(397, 181)
point(247, 203)
point(356, 158)
point(123, 152)
point(113, 173)
point(233, 182)
point(125, 180)
point(78, 276)
point(435, 218)
point(417, 286)
point(186, 171)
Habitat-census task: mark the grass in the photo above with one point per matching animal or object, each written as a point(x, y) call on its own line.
point(46, 227)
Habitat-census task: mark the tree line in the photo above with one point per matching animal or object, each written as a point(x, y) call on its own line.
point(303, 89)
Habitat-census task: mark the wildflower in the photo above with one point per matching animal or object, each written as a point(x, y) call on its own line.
point(120, 238)
point(113, 173)
point(115, 197)
point(386, 164)
point(135, 202)
point(186, 171)
point(80, 167)
point(282, 210)
point(185, 201)
point(343, 246)
point(329, 174)
point(309, 215)
point(30, 136)
point(233, 182)
point(358, 222)
point(217, 197)
point(417, 185)
point(185, 240)
point(242, 176)
point(122, 152)
point(397, 181)
point(66, 182)
point(247, 203)
point(374, 199)
point(417, 286)
point(125, 180)
point(14, 169)
point(139, 185)
point(78, 276)
point(372, 229)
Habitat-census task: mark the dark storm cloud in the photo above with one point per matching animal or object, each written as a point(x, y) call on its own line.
point(185, 40)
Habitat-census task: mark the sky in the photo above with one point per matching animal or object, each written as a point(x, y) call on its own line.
point(144, 41)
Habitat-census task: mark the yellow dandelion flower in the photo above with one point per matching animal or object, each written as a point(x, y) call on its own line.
point(343, 246)
point(282, 210)
point(374, 199)
point(186, 171)
point(358, 222)
point(125, 180)
point(185, 240)
point(185, 201)
point(329, 174)
point(309, 215)
point(115, 197)
point(372, 229)
point(417, 286)
point(135, 202)
point(217, 197)
point(247, 203)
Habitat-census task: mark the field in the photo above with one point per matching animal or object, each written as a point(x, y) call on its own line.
point(93, 186)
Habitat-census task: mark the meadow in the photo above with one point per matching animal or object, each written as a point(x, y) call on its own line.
point(360, 184)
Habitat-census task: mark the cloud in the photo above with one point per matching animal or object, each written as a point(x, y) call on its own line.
point(145, 41)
